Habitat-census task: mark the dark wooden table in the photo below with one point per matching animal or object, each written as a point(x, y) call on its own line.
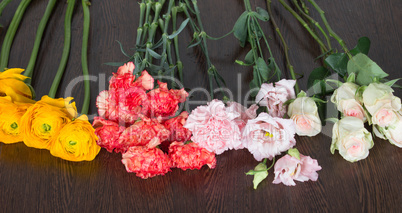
point(33, 180)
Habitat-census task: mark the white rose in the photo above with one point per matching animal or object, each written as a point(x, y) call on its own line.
point(392, 132)
point(351, 139)
point(344, 92)
point(381, 104)
point(304, 113)
point(345, 99)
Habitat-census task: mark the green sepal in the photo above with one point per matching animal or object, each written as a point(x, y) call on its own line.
point(301, 94)
point(294, 153)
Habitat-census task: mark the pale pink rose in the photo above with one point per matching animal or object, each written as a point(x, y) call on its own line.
point(353, 108)
point(384, 117)
point(288, 169)
point(273, 97)
point(214, 127)
point(381, 103)
point(304, 113)
point(126, 68)
point(351, 139)
point(245, 114)
point(391, 132)
point(345, 100)
point(266, 136)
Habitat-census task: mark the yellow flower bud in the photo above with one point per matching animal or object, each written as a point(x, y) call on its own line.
point(12, 84)
point(43, 121)
point(76, 141)
point(10, 119)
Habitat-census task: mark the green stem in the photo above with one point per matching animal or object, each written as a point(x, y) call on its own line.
point(38, 39)
point(66, 49)
point(247, 5)
point(331, 32)
point(252, 40)
point(285, 46)
point(84, 60)
point(3, 5)
point(256, 38)
point(273, 163)
point(176, 44)
point(141, 23)
point(314, 22)
point(12, 29)
point(305, 25)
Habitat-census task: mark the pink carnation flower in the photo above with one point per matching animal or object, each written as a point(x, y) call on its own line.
point(108, 133)
point(288, 168)
point(164, 102)
point(146, 162)
point(267, 136)
point(245, 114)
point(214, 127)
point(190, 156)
point(273, 97)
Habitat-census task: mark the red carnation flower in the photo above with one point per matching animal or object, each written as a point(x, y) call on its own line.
point(175, 126)
point(124, 77)
point(164, 102)
point(126, 68)
point(108, 133)
point(145, 81)
point(146, 162)
point(131, 103)
point(146, 132)
point(190, 156)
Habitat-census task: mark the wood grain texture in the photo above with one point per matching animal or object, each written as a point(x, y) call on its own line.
point(33, 180)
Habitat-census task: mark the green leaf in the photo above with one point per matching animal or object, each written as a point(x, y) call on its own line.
point(249, 59)
point(319, 74)
point(261, 14)
point(351, 78)
point(240, 28)
point(262, 68)
point(274, 68)
point(392, 82)
point(114, 64)
point(365, 69)
point(182, 26)
point(363, 46)
point(324, 54)
point(254, 85)
point(338, 62)
point(121, 48)
point(260, 173)
point(294, 153)
point(242, 63)
point(154, 54)
point(195, 44)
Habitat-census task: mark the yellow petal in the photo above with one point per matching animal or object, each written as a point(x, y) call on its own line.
point(76, 141)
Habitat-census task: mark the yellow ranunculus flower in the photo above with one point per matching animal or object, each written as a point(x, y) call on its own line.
point(12, 84)
point(76, 141)
point(43, 121)
point(10, 119)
